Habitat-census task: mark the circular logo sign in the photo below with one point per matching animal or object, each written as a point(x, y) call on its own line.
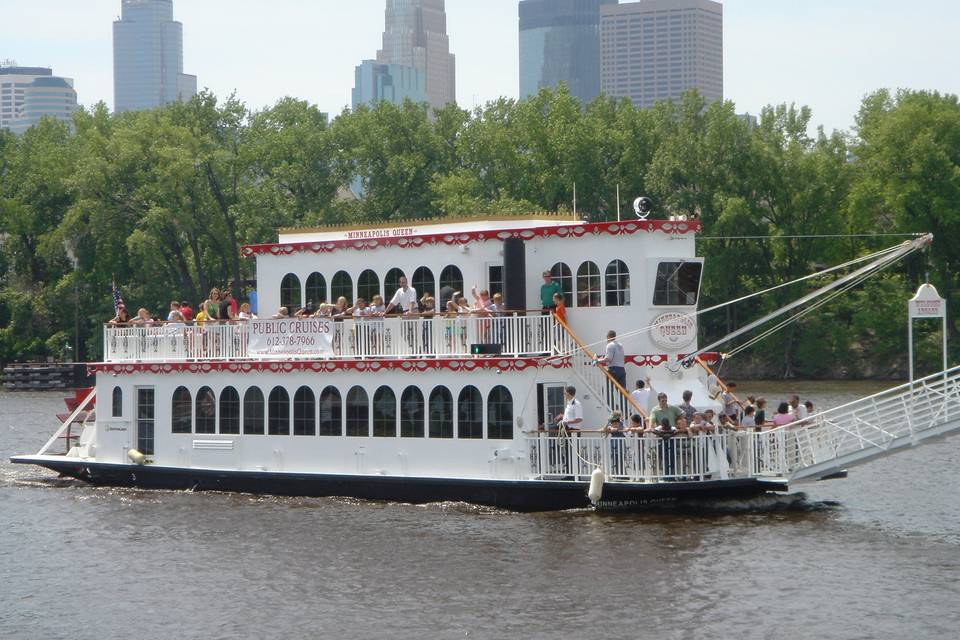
point(673, 331)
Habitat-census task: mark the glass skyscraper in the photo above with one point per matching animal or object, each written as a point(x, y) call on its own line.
point(416, 36)
point(148, 57)
point(560, 42)
point(390, 82)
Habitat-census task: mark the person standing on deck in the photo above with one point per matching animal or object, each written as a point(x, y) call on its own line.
point(665, 411)
point(613, 359)
point(405, 298)
point(641, 395)
point(547, 291)
point(572, 416)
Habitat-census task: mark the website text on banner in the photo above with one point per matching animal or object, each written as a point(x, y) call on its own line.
point(291, 336)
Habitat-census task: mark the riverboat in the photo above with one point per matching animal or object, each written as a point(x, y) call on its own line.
point(419, 407)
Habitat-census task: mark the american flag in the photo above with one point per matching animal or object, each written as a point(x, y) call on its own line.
point(117, 298)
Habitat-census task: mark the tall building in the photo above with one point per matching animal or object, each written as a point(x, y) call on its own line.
point(29, 93)
point(391, 82)
point(148, 57)
point(416, 36)
point(656, 49)
point(560, 42)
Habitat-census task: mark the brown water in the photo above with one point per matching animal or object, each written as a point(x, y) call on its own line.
point(873, 556)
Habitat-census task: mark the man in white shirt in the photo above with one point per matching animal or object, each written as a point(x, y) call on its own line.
point(572, 417)
point(799, 411)
point(405, 298)
point(641, 395)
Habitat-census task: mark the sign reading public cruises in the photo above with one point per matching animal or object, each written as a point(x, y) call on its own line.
point(673, 330)
point(293, 336)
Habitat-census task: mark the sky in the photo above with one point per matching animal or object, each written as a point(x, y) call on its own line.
point(826, 54)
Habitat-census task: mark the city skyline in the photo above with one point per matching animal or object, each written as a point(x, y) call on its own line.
point(824, 54)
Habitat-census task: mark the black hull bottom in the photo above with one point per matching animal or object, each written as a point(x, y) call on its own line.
point(515, 495)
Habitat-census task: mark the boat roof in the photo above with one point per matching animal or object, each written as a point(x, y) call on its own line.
point(452, 231)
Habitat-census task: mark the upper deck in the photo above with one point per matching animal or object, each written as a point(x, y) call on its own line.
point(646, 268)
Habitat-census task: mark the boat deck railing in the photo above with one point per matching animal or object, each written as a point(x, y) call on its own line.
point(515, 335)
point(650, 458)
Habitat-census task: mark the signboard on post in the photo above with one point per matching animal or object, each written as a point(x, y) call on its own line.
point(926, 303)
point(291, 336)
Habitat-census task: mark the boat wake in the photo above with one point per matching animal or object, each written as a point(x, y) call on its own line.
point(768, 503)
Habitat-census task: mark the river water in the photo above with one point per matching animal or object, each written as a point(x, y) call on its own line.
point(874, 556)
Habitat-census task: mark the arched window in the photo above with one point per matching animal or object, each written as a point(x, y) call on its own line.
point(562, 275)
point(316, 289)
point(384, 413)
point(290, 292)
point(181, 411)
point(450, 280)
point(278, 412)
point(368, 285)
point(358, 413)
point(423, 282)
point(229, 410)
point(616, 284)
point(253, 411)
point(588, 285)
point(331, 412)
point(470, 413)
point(206, 416)
point(391, 282)
point(441, 413)
point(341, 286)
point(304, 413)
point(500, 414)
point(117, 403)
point(411, 413)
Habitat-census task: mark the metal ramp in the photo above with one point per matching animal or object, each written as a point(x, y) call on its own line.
point(871, 427)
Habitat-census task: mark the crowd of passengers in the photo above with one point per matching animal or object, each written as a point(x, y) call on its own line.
point(221, 306)
point(667, 420)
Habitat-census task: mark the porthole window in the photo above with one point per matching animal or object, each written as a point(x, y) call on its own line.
point(500, 414)
point(304, 413)
point(470, 413)
point(331, 412)
point(358, 413)
point(423, 282)
point(316, 289)
point(117, 403)
point(253, 413)
point(278, 412)
point(368, 285)
point(411, 413)
point(205, 420)
point(384, 413)
point(290, 292)
point(616, 284)
point(441, 413)
point(229, 411)
point(341, 287)
point(181, 411)
point(561, 274)
point(588, 285)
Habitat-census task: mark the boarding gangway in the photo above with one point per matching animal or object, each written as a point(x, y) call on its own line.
point(869, 428)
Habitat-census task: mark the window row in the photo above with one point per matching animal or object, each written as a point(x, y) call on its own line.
point(612, 290)
point(331, 414)
point(368, 285)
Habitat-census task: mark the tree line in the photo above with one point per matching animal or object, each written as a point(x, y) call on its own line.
point(161, 200)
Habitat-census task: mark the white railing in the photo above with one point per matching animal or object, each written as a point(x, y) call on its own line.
point(396, 336)
point(872, 426)
point(653, 459)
